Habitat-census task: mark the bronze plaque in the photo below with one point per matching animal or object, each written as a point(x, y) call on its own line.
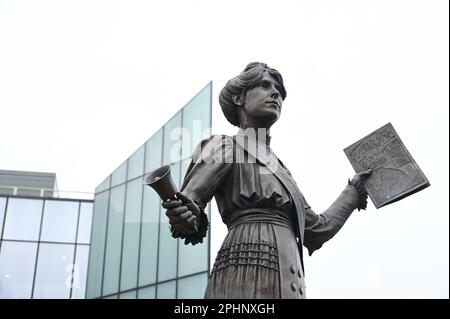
point(395, 173)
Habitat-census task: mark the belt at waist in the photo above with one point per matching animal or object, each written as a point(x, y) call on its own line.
point(260, 215)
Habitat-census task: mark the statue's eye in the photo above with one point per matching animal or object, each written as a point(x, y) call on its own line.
point(265, 84)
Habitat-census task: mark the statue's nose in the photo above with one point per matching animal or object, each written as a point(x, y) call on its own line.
point(275, 95)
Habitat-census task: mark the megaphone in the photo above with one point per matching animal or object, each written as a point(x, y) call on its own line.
point(161, 181)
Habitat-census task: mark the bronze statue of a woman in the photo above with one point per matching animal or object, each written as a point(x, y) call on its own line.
point(268, 219)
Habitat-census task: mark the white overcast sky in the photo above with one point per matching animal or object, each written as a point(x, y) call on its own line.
point(84, 83)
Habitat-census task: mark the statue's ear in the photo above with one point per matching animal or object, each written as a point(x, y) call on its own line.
point(237, 99)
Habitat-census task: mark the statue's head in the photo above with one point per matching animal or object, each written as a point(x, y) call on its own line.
point(253, 98)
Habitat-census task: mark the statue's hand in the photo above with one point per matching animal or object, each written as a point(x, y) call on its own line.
point(357, 183)
point(359, 178)
point(183, 214)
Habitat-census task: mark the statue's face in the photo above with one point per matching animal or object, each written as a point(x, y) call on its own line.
point(262, 106)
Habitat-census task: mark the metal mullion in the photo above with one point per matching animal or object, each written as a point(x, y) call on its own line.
point(140, 176)
point(38, 246)
point(89, 260)
point(123, 227)
point(43, 242)
point(106, 242)
point(126, 181)
point(161, 282)
point(179, 182)
point(52, 198)
point(210, 210)
point(159, 220)
point(4, 223)
point(75, 249)
point(140, 225)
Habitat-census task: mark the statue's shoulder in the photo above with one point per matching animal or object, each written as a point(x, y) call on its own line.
point(215, 145)
point(217, 140)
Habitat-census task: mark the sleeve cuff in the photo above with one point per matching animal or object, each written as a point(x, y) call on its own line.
point(198, 236)
point(362, 194)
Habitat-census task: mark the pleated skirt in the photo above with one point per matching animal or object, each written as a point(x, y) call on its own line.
point(257, 260)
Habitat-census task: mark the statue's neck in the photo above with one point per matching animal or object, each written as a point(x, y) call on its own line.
point(261, 134)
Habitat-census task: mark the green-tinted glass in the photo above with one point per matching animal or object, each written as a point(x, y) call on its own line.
point(167, 290)
point(167, 244)
point(128, 295)
point(147, 293)
point(196, 121)
point(136, 163)
point(192, 259)
point(192, 287)
point(172, 140)
point(130, 252)
point(95, 269)
point(119, 176)
point(114, 241)
point(153, 151)
point(103, 185)
point(149, 237)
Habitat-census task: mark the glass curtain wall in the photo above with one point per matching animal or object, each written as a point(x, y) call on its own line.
point(133, 254)
point(44, 247)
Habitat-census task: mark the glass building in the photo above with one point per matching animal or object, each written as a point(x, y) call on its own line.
point(44, 247)
point(133, 254)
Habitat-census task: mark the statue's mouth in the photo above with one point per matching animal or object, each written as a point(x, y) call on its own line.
point(274, 104)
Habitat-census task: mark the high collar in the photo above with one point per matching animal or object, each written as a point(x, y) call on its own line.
point(260, 135)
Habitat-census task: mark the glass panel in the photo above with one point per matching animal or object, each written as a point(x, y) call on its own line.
point(128, 295)
point(97, 250)
point(196, 121)
point(167, 244)
point(103, 185)
point(192, 287)
point(130, 251)
point(23, 219)
point(172, 140)
point(80, 271)
point(149, 237)
point(167, 254)
point(2, 213)
point(136, 163)
point(184, 166)
point(167, 290)
point(84, 224)
point(147, 293)
point(54, 271)
point(193, 259)
point(17, 261)
point(153, 151)
point(60, 221)
point(119, 176)
point(114, 240)
point(112, 297)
